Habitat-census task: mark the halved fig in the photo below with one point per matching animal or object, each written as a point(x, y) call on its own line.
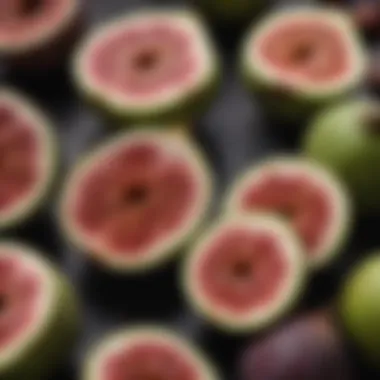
point(304, 194)
point(245, 273)
point(27, 158)
point(38, 33)
point(148, 66)
point(38, 314)
point(302, 59)
point(147, 352)
point(136, 200)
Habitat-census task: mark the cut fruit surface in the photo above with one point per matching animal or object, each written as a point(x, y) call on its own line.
point(303, 58)
point(27, 158)
point(147, 352)
point(22, 298)
point(150, 62)
point(151, 190)
point(303, 193)
point(245, 273)
point(24, 24)
point(32, 295)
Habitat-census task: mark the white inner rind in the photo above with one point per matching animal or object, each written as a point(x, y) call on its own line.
point(46, 155)
point(200, 49)
point(256, 317)
point(44, 34)
point(271, 75)
point(30, 260)
point(339, 202)
point(151, 334)
point(167, 245)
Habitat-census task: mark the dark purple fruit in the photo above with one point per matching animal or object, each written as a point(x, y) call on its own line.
point(308, 348)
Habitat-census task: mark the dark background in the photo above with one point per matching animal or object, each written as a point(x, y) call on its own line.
point(234, 133)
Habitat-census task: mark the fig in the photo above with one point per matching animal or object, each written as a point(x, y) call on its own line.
point(245, 273)
point(359, 307)
point(306, 195)
point(147, 352)
point(308, 347)
point(151, 189)
point(27, 160)
point(355, 124)
point(301, 59)
point(38, 34)
point(231, 12)
point(39, 314)
point(148, 67)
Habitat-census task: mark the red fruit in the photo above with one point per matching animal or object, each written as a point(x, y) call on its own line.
point(38, 34)
point(137, 199)
point(38, 314)
point(307, 348)
point(27, 158)
point(147, 353)
point(245, 273)
point(308, 197)
point(314, 55)
point(148, 66)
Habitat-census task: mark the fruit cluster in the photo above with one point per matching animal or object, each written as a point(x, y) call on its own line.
point(145, 195)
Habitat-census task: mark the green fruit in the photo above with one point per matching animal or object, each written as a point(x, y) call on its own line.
point(38, 315)
point(28, 158)
point(301, 59)
point(346, 138)
point(152, 190)
point(307, 196)
point(244, 273)
point(147, 352)
point(359, 306)
point(151, 66)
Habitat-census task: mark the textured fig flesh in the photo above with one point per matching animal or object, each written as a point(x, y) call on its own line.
point(302, 200)
point(143, 194)
point(148, 360)
point(243, 270)
point(19, 157)
point(21, 19)
point(141, 61)
point(20, 297)
point(308, 49)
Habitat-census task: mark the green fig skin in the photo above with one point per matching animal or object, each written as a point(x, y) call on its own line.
point(359, 307)
point(343, 139)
